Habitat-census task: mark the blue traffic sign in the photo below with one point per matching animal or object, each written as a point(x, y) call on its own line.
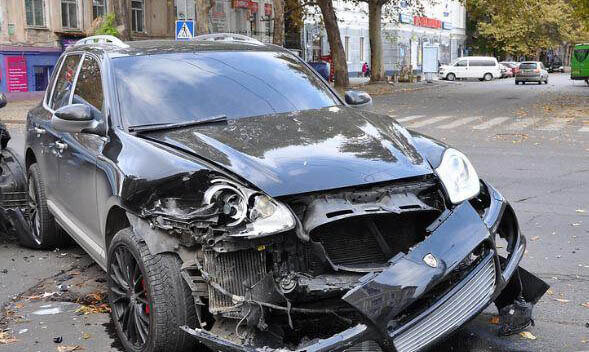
point(184, 30)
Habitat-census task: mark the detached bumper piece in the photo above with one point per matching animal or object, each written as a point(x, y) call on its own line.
point(451, 311)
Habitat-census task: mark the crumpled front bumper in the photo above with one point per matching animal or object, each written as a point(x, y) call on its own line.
point(383, 297)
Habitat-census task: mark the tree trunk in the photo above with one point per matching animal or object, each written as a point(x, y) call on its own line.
point(375, 33)
point(335, 43)
point(121, 10)
point(278, 38)
point(203, 7)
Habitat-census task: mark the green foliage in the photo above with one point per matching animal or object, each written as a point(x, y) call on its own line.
point(581, 11)
point(108, 26)
point(521, 27)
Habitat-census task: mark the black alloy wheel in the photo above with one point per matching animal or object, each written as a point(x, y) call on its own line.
point(130, 299)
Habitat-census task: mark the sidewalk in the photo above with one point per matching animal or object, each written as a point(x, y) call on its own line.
point(15, 112)
point(384, 88)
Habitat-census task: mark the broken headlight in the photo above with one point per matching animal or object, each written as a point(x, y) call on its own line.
point(247, 212)
point(458, 176)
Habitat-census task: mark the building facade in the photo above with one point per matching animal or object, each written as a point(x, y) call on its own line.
point(33, 33)
point(404, 35)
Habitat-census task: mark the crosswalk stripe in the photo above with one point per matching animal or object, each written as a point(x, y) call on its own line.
point(556, 125)
point(429, 121)
point(410, 118)
point(584, 129)
point(459, 122)
point(521, 124)
point(490, 123)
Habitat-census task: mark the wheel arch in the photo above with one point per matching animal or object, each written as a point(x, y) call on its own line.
point(116, 220)
point(30, 158)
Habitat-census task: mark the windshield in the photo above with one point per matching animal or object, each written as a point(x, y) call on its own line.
point(180, 87)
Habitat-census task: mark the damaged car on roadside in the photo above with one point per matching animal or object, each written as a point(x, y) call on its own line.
point(237, 203)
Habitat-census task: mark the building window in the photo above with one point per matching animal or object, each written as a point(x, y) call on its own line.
point(35, 13)
point(98, 8)
point(347, 48)
point(362, 49)
point(69, 13)
point(137, 9)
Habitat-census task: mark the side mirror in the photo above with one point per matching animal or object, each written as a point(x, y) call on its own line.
point(75, 118)
point(3, 100)
point(358, 98)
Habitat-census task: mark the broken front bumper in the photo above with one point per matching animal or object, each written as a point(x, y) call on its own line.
point(396, 315)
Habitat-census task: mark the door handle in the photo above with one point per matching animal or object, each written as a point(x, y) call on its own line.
point(61, 146)
point(39, 131)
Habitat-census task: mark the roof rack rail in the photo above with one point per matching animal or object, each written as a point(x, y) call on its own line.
point(100, 39)
point(229, 37)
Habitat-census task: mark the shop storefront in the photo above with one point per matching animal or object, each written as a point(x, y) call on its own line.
point(26, 69)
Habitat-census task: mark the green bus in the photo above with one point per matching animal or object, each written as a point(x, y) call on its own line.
point(580, 63)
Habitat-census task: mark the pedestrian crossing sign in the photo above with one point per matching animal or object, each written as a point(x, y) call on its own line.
point(184, 30)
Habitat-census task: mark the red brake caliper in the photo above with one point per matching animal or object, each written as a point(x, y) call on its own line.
point(145, 290)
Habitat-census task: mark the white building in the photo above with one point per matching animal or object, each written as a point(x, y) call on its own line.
point(404, 35)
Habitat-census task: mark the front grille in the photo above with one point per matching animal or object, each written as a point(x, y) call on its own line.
point(366, 346)
point(455, 308)
point(236, 272)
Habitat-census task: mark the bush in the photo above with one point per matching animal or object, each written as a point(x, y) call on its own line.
point(108, 26)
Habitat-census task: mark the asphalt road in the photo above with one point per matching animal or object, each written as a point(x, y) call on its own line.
point(531, 142)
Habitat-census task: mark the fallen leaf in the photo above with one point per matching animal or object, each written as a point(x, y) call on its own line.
point(494, 320)
point(550, 292)
point(527, 335)
point(6, 338)
point(535, 238)
point(69, 348)
point(86, 336)
point(92, 309)
point(562, 300)
point(586, 304)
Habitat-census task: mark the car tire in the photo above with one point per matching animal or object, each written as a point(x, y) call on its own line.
point(488, 77)
point(451, 77)
point(159, 298)
point(516, 83)
point(44, 234)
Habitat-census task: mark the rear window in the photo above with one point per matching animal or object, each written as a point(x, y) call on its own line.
point(528, 66)
point(581, 54)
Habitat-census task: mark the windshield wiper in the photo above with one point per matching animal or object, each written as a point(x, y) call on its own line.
point(173, 125)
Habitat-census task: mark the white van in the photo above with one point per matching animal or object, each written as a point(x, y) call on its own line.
point(481, 67)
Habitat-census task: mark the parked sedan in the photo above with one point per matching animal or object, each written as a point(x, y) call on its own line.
point(513, 65)
point(230, 192)
point(531, 71)
point(506, 71)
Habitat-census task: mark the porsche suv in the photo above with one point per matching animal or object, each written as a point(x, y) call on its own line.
point(237, 203)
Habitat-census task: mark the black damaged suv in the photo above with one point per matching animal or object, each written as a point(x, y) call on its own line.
point(236, 200)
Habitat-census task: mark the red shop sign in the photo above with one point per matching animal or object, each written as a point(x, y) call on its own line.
point(268, 9)
point(253, 7)
point(16, 73)
point(241, 4)
point(427, 22)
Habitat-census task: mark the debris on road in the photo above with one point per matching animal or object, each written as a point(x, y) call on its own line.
point(527, 335)
point(69, 348)
point(6, 338)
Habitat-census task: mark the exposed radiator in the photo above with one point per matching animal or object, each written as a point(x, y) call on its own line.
point(235, 272)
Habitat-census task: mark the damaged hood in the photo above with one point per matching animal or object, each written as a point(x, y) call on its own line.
point(305, 151)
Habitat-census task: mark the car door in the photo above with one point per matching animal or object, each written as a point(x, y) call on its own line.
point(77, 158)
point(460, 68)
point(41, 136)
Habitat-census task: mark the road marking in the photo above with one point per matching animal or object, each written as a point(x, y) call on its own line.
point(429, 121)
point(584, 129)
point(557, 125)
point(492, 122)
point(520, 124)
point(410, 118)
point(459, 122)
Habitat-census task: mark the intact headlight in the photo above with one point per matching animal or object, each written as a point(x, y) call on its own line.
point(458, 176)
point(249, 212)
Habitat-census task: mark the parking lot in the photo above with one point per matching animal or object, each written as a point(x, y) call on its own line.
point(531, 142)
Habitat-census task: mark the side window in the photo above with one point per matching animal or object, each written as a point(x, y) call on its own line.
point(89, 84)
point(65, 80)
point(52, 80)
point(461, 63)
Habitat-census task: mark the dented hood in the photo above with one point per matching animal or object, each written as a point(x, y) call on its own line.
point(305, 151)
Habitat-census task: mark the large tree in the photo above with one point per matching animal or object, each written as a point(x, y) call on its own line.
point(335, 43)
point(278, 38)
